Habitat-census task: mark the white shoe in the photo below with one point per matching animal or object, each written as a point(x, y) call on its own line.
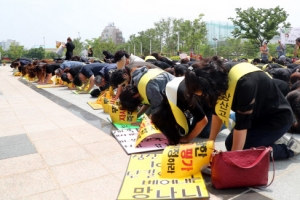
point(282, 140)
point(294, 145)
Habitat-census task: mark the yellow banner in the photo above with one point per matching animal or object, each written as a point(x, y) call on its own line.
point(224, 103)
point(121, 116)
point(146, 129)
point(142, 181)
point(185, 160)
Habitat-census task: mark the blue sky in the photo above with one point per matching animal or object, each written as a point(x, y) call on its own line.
point(29, 21)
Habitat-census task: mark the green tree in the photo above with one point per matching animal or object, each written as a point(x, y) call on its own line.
point(98, 46)
point(79, 46)
point(260, 24)
point(50, 55)
point(38, 53)
point(15, 51)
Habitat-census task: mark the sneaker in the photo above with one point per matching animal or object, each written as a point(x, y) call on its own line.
point(282, 140)
point(294, 145)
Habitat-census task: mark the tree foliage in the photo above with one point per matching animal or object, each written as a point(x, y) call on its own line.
point(98, 46)
point(164, 36)
point(79, 46)
point(38, 53)
point(15, 51)
point(260, 24)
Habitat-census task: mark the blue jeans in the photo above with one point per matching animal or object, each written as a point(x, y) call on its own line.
point(257, 138)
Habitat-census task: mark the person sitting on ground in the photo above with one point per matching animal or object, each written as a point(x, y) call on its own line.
point(263, 115)
point(51, 70)
point(108, 57)
point(90, 52)
point(19, 63)
point(146, 87)
point(103, 79)
point(280, 73)
point(294, 99)
point(179, 70)
point(163, 59)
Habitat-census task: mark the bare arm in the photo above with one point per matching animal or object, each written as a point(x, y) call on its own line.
point(143, 110)
point(296, 50)
point(216, 125)
point(92, 83)
point(196, 131)
point(239, 139)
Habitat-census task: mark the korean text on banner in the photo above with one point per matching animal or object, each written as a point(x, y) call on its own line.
point(142, 181)
point(147, 128)
point(185, 160)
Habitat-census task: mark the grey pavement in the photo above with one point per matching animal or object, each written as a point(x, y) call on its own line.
point(53, 145)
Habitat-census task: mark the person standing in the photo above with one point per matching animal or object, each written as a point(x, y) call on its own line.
point(90, 52)
point(70, 47)
point(280, 49)
point(296, 49)
point(264, 52)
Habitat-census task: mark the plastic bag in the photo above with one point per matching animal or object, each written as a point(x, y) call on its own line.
point(60, 50)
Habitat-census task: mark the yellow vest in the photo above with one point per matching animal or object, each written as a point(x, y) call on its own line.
point(150, 74)
point(224, 103)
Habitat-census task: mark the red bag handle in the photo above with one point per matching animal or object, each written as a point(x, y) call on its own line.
point(255, 162)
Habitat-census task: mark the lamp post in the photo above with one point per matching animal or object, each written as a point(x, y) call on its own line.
point(79, 35)
point(134, 48)
point(44, 48)
point(178, 41)
point(141, 49)
point(150, 46)
point(216, 40)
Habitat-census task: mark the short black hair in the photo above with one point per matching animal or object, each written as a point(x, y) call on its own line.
point(180, 70)
point(256, 60)
point(298, 39)
point(64, 77)
point(127, 99)
point(119, 55)
point(116, 77)
point(77, 81)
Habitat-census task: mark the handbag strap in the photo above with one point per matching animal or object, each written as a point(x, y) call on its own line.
point(254, 163)
point(258, 160)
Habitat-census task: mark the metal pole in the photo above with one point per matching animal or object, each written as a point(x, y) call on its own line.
point(178, 41)
point(79, 35)
point(150, 46)
point(134, 49)
point(141, 49)
point(160, 45)
point(44, 49)
point(217, 48)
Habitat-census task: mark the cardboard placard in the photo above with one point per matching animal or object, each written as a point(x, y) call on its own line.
point(186, 159)
point(127, 138)
point(142, 181)
point(120, 116)
point(95, 105)
point(147, 128)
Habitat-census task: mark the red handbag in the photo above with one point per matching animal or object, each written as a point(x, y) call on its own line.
point(243, 168)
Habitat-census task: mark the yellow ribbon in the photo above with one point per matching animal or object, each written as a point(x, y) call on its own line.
point(224, 104)
point(150, 74)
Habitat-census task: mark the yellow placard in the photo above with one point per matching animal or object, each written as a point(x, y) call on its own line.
point(142, 181)
point(105, 104)
point(120, 116)
point(95, 106)
point(147, 128)
point(185, 160)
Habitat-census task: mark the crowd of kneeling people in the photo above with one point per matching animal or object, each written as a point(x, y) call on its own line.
point(180, 97)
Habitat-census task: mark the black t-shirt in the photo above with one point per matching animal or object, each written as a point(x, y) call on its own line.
point(160, 64)
point(50, 68)
point(184, 104)
point(74, 71)
point(70, 47)
point(270, 110)
point(281, 73)
point(166, 60)
point(92, 69)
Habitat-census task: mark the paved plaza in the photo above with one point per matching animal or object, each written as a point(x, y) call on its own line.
point(53, 145)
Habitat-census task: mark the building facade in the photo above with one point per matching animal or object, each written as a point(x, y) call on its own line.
point(113, 33)
point(218, 31)
point(6, 44)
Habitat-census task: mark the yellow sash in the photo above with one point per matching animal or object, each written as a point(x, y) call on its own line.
point(151, 73)
point(224, 104)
